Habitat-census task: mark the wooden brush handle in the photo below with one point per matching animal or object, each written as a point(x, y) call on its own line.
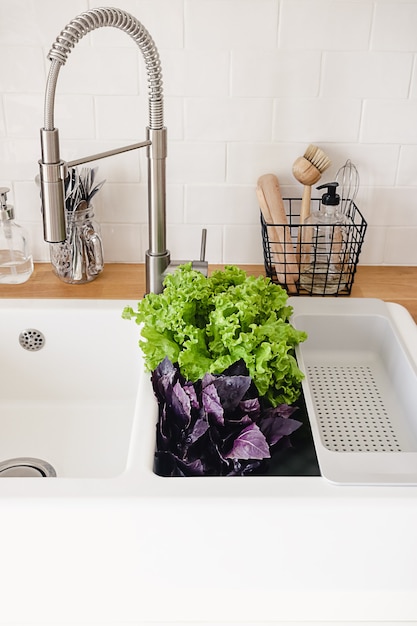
point(273, 209)
point(305, 204)
point(304, 214)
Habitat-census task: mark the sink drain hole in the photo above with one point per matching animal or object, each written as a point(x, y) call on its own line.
point(32, 339)
point(26, 467)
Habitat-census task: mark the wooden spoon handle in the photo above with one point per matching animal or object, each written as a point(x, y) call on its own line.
point(276, 216)
point(274, 240)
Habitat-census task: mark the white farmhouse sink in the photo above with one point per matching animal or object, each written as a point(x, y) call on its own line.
point(72, 402)
point(84, 405)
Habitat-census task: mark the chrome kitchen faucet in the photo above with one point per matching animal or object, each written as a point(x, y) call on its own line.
point(53, 169)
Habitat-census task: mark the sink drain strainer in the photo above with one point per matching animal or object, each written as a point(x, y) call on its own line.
point(32, 339)
point(26, 467)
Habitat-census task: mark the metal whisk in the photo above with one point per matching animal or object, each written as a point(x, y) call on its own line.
point(348, 178)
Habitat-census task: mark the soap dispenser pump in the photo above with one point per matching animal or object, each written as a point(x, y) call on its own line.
point(330, 198)
point(16, 262)
point(323, 246)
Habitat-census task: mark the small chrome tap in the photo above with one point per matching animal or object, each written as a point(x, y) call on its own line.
point(53, 169)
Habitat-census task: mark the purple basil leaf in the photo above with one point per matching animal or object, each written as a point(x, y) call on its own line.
point(210, 456)
point(193, 468)
point(198, 430)
point(274, 428)
point(238, 368)
point(285, 410)
point(165, 369)
point(249, 444)
point(167, 464)
point(231, 390)
point(252, 407)
point(239, 467)
point(191, 392)
point(163, 376)
point(207, 379)
point(181, 405)
point(163, 435)
point(242, 421)
point(212, 404)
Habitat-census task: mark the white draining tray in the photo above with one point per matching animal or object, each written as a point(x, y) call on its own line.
point(360, 388)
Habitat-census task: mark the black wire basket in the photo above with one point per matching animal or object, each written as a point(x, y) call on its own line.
point(330, 272)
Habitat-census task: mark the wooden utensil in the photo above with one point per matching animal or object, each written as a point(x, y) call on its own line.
point(308, 170)
point(272, 206)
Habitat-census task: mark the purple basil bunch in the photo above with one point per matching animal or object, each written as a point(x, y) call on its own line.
point(216, 426)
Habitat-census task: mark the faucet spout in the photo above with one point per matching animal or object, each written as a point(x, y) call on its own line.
point(53, 169)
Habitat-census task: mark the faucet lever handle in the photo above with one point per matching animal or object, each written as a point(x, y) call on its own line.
point(203, 244)
point(201, 265)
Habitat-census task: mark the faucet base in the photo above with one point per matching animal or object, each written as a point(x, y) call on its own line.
point(155, 267)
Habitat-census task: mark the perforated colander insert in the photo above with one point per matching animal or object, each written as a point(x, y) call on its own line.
point(351, 410)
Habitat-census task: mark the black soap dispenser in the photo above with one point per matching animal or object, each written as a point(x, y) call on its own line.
point(323, 246)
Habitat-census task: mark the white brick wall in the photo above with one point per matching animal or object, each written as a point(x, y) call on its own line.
point(248, 85)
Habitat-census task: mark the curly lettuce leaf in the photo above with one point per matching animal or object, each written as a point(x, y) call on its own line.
point(208, 324)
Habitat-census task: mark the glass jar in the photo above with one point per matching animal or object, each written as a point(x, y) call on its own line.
point(79, 259)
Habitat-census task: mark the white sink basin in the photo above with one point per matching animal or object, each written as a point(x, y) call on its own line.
point(72, 402)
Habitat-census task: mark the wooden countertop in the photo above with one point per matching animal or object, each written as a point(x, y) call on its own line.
point(127, 281)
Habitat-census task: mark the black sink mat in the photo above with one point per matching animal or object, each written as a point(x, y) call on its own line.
point(298, 459)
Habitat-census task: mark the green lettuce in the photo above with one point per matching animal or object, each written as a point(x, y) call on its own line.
point(207, 324)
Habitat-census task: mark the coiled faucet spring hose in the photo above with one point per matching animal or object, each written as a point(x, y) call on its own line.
point(89, 21)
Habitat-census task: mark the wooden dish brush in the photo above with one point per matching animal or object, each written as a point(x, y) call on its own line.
point(308, 170)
